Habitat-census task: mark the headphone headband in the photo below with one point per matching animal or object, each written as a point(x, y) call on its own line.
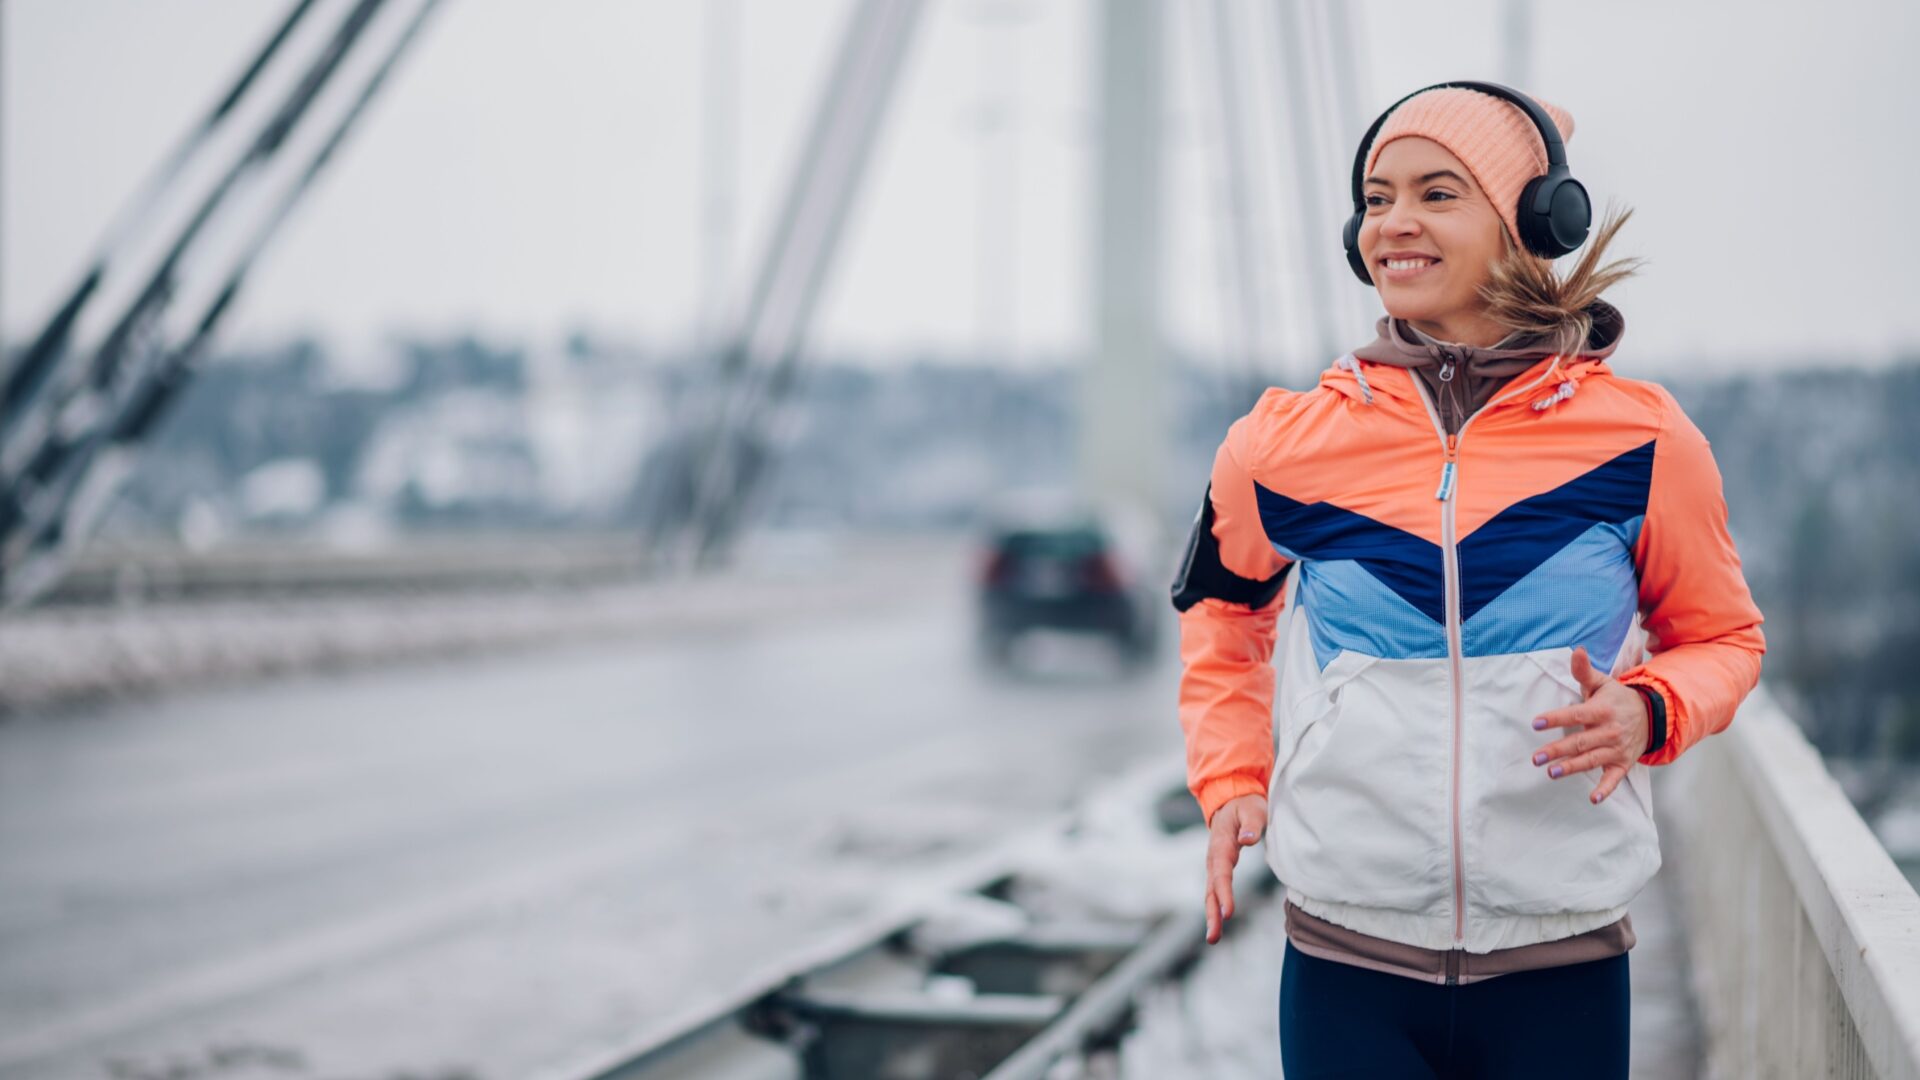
point(1549, 132)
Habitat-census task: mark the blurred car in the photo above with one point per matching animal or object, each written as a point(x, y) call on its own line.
point(1054, 563)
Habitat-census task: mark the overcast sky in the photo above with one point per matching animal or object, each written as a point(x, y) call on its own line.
point(537, 165)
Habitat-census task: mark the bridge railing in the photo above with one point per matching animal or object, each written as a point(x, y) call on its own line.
point(1804, 937)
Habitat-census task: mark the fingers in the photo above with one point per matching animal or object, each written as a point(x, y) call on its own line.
point(1219, 907)
point(1240, 823)
point(1220, 866)
point(1584, 672)
point(1609, 779)
point(1250, 829)
point(1577, 743)
point(1580, 763)
point(1223, 854)
point(1581, 752)
point(1583, 715)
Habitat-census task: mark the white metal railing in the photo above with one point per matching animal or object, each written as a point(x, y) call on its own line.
point(1803, 935)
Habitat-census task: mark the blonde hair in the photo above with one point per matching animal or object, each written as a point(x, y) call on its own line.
point(1526, 295)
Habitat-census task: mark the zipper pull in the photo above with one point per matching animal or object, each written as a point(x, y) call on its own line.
point(1445, 491)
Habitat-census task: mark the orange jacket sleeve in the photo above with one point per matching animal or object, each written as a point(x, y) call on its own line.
point(1703, 629)
point(1226, 645)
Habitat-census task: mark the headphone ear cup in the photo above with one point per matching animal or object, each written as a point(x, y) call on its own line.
point(1570, 213)
point(1350, 236)
point(1554, 214)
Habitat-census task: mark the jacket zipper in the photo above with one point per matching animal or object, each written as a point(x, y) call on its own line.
point(1450, 563)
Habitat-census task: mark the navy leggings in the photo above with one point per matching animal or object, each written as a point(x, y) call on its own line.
point(1338, 1020)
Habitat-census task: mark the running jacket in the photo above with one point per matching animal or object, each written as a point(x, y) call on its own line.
point(1442, 582)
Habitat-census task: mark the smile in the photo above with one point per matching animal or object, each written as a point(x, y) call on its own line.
point(1403, 269)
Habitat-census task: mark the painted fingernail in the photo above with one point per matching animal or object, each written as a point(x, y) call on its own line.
point(1554, 772)
point(1540, 758)
point(1246, 836)
point(1539, 722)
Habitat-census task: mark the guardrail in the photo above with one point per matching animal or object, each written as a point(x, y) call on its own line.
point(109, 572)
point(1008, 985)
point(257, 611)
point(1803, 935)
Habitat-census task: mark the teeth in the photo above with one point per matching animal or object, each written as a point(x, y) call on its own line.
point(1408, 264)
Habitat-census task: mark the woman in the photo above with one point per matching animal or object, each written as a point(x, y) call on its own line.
point(1478, 508)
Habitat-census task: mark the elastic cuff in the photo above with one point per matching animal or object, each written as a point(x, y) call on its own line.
point(1220, 791)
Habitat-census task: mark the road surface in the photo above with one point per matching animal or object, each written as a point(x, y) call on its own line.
point(471, 867)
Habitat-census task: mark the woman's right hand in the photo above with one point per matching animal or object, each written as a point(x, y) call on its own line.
point(1237, 824)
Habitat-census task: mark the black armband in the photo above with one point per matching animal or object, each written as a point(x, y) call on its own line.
point(1656, 717)
point(1202, 575)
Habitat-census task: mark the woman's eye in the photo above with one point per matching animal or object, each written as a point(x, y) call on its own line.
point(1442, 194)
point(1382, 202)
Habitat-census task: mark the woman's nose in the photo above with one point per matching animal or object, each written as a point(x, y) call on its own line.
point(1397, 223)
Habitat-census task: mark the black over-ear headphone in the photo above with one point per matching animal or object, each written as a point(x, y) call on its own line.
point(1554, 211)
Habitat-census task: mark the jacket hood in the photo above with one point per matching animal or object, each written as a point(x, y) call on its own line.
point(1399, 344)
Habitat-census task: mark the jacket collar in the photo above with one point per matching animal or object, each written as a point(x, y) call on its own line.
point(1402, 344)
point(1366, 371)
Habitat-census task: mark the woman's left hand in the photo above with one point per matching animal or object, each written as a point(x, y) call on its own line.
point(1614, 718)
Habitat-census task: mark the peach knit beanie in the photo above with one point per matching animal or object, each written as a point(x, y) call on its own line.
point(1499, 145)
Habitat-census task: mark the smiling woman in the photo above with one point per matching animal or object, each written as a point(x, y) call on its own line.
point(1478, 555)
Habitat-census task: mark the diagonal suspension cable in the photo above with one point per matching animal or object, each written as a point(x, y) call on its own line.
point(69, 485)
point(30, 374)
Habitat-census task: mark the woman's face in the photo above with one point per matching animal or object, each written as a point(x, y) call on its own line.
point(1424, 208)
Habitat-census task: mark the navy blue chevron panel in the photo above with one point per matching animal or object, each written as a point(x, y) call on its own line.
point(1498, 554)
point(1409, 565)
point(1521, 537)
